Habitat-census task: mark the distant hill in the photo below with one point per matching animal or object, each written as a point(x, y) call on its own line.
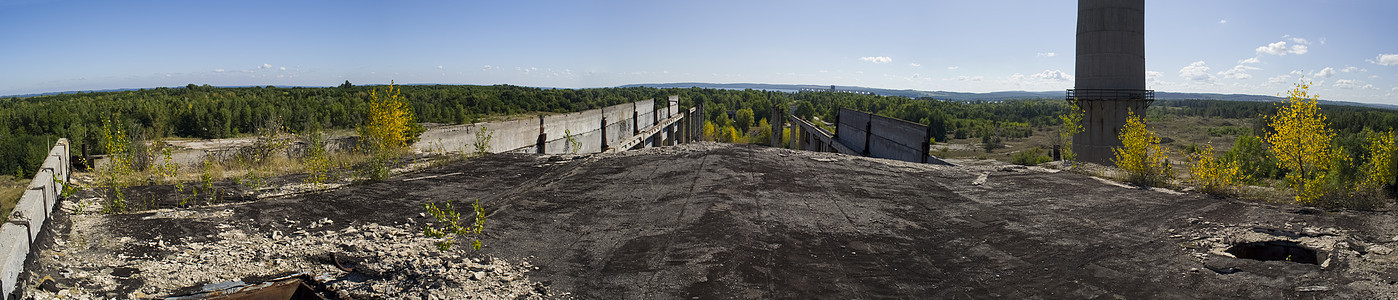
point(991, 96)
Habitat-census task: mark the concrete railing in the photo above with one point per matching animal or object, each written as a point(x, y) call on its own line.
point(618, 127)
point(33, 210)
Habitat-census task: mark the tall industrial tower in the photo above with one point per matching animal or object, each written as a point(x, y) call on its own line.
point(1111, 73)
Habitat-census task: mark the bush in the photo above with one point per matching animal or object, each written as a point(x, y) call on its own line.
point(1214, 176)
point(1031, 157)
point(1141, 155)
point(450, 228)
point(1253, 159)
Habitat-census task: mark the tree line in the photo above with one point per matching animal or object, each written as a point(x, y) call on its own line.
point(29, 125)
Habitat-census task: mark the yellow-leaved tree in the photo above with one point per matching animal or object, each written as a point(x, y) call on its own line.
point(1141, 155)
point(389, 129)
point(390, 121)
point(1382, 166)
point(710, 132)
point(1301, 141)
point(1213, 175)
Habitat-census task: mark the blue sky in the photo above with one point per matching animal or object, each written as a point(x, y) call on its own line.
point(1349, 48)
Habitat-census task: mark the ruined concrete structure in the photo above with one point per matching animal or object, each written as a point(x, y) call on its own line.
point(1110, 73)
point(864, 134)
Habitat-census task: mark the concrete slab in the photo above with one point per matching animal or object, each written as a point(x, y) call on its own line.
point(712, 220)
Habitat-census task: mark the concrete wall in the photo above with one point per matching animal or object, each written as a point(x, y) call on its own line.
point(36, 204)
point(885, 138)
point(850, 129)
point(898, 139)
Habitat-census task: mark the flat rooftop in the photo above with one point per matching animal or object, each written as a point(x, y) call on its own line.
point(712, 220)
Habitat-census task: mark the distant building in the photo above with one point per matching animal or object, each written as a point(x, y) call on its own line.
point(833, 90)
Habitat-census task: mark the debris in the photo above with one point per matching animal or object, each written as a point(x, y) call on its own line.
point(1313, 288)
point(980, 179)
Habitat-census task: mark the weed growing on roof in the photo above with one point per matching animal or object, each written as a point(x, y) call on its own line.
point(449, 227)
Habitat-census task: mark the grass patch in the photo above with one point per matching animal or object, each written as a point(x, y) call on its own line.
point(10, 191)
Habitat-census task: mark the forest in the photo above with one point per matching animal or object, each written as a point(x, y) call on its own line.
point(28, 126)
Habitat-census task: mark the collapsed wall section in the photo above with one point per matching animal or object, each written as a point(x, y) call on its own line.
point(884, 137)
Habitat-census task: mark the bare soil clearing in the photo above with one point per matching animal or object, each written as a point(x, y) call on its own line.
point(739, 221)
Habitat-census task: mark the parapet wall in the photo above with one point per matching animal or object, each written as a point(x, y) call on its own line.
point(593, 130)
point(30, 214)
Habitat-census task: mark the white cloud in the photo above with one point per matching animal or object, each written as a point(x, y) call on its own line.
point(915, 64)
point(1384, 60)
point(1295, 72)
point(1301, 41)
point(953, 68)
point(1279, 48)
point(1353, 84)
point(440, 67)
point(1279, 79)
point(1373, 76)
point(265, 66)
point(1045, 54)
point(1197, 71)
point(489, 67)
point(1250, 61)
point(1238, 72)
point(1224, 21)
point(1349, 69)
point(1323, 73)
point(219, 70)
point(877, 59)
point(1153, 76)
point(1299, 49)
point(282, 68)
point(968, 78)
point(1053, 75)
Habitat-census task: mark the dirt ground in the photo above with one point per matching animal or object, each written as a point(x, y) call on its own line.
point(711, 220)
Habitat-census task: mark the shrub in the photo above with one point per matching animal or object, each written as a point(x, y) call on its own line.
point(1031, 157)
point(1382, 167)
point(1072, 125)
point(1214, 176)
point(573, 144)
point(1141, 155)
point(450, 228)
point(482, 142)
point(1254, 160)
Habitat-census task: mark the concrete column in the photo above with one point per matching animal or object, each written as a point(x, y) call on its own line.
point(604, 133)
point(543, 137)
point(670, 135)
point(776, 126)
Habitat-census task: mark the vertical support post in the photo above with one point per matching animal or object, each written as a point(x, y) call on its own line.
point(927, 143)
point(776, 135)
point(604, 132)
point(635, 119)
point(542, 142)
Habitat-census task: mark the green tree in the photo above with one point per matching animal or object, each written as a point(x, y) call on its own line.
point(1072, 125)
point(743, 119)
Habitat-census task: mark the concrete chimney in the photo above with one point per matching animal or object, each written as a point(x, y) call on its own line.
point(1110, 75)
